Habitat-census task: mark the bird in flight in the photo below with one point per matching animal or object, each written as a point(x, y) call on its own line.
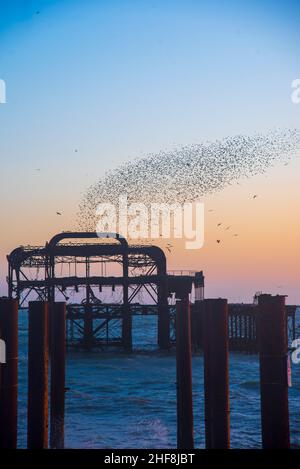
point(227, 228)
point(255, 196)
point(219, 224)
point(58, 213)
point(218, 241)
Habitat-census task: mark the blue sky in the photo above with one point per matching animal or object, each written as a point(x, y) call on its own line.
point(118, 79)
point(121, 77)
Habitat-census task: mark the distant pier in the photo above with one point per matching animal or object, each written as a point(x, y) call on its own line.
point(62, 285)
point(77, 267)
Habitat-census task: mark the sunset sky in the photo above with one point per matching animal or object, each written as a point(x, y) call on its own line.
point(91, 84)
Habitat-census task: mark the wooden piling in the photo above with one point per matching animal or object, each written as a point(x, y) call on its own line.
point(126, 311)
point(38, 349)
point(185, 424)
point(163, 326)
point(272, 334)
point(216, 381)
point(57, 364)
point(197, 325)
point(9, 373)
point(127, 327)
point(88, 338)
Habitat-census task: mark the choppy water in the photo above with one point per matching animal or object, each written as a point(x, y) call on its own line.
point(129, 401)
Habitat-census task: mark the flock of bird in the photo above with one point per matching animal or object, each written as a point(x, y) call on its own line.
point(189, 173)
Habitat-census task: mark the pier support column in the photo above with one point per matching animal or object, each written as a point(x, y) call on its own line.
point(163, 328)
point(9, 373)
point(272, 333)
point(126, 315)
point(88, 327)
point(197, 313)
point(216, 383)
point(58, 359)
point(127, 327)
point(38, 350)
point(197, 325)
point(185, 424)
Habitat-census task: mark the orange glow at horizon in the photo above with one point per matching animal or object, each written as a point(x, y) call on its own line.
point(265, 256)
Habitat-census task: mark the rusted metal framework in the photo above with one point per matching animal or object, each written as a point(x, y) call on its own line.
point(243, 326)
point(105, 282)
point(78, 267)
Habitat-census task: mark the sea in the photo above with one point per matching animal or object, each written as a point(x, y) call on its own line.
point(117, 400)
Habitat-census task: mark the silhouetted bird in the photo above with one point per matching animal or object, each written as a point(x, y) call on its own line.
point(218, 241)
point(219, 224)
point(58, 213)
point(255, 196)
point(227, 228)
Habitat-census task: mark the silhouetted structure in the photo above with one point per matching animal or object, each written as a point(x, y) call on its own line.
point(76, 267)
point(61, 268)
point(211, 324)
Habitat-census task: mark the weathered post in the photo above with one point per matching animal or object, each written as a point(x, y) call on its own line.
point(163, 329)
point(185, 423)
point(88, 327)
point(38, 350)
point(216, 382)
point(127, 327)
point(9, 373)
point(57, 361)
point(197, 312)
point(272, 333)
point(126, 316)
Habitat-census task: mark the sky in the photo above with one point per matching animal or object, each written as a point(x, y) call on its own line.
point(115, 80)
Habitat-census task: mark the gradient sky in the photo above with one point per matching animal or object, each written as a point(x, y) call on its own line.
point(119, 79)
